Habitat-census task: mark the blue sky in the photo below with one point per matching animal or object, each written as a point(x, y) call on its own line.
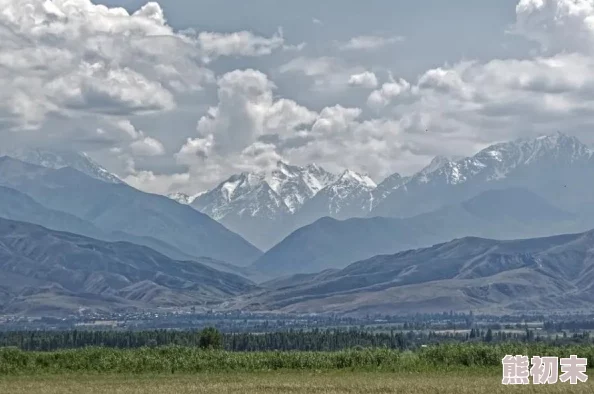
point(436, 31)
point(178, 95)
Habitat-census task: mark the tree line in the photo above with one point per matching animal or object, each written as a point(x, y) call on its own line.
point(314, 340)
point(291, 340)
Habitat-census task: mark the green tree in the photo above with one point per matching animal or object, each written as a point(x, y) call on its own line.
point(211, 338)
point(489, 336)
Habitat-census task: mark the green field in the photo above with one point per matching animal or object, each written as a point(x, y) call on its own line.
point(280, 382)
point(180, 360)
point(463, 368)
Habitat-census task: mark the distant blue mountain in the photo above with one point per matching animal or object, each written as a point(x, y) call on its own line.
point(119, 208)
point(46, 272)
point(546, 275)
point(502, 214)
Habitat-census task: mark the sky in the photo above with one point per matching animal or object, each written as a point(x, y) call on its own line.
point(177, 96)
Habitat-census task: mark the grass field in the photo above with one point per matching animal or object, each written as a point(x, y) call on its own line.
point(280, 382)
point(185, 360)
point(455, 369)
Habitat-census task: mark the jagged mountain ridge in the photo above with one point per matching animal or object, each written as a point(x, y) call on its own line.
point(265, 207)
point(57, 159)
point(285, 189)
point(544, 165)
point(351, 195)
point(484, 275)
point(288, 189)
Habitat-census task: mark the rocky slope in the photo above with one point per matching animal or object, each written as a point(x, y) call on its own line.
point(488, 276)
point(48, 272)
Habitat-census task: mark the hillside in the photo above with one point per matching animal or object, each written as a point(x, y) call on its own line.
point(49, 272)
point(499, 214)
point(121, 208)
point(541, 274)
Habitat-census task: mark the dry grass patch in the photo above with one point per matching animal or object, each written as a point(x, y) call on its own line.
point(279, 382)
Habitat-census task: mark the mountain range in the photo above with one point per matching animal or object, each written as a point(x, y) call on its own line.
point(17, 206)
point(73, 234)
point(47, 272)
point(261, 206)
point(499, 214)
point(553, 274)
point(265, 209)
point(57, 159)
point(555, 167)
point(117, 208)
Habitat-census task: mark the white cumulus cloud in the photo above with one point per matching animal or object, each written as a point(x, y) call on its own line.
point(243, 43)
point(380, 98)
point(365, 79)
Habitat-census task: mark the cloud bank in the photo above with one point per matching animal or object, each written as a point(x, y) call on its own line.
point(107, 73)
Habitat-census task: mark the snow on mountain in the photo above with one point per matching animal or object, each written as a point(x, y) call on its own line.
point(350, 191)
point(184, 198)
point(181, 198)
point(436, 164)
point(284, 190)
point(395, 181)
point(266, 207)
point(350, 196)
point(515, 163)
point(499, 160)
point(57, 159)
point(387, 186)
point(353, 178)
point(242, 194)
point(295, 185)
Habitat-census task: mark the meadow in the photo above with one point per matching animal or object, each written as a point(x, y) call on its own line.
point(180, 360)
point(294, 382)
point(448, 368)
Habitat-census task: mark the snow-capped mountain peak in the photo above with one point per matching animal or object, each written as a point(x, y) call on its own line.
point(509, 162)
point(350, 196)
point(249, 201)
point(499, 160)
point(57, 159)
point(242, 194)
point(513, 162)
point(387, 186)
point(318, 178)
point(295, 185)
point(437, 163)
point(240, 185)
point(349, 176)
point(285, 188)
point(287, 169)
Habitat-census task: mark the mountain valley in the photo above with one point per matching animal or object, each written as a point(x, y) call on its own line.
point(75, 234)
